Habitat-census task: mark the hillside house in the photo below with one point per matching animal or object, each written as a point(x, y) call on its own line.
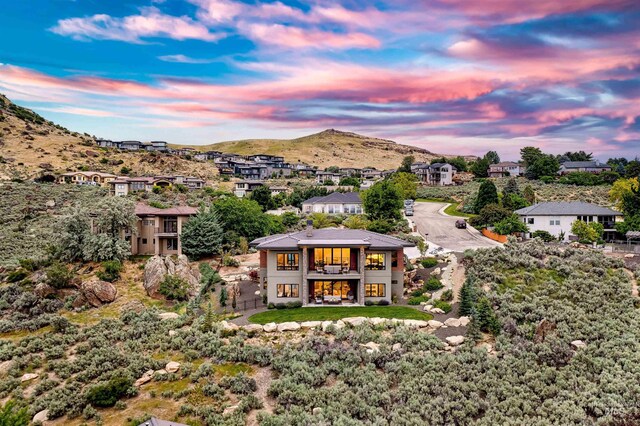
point(87, 178)
point(264, 158)
point(106, 143)
point(124, 185)
point(131, 145)
point(331, 266)
point(333, 177)
point(436, 174)
point(304, 170)
point(371, 173)
point(158, 230)
point(244, 188)
point(594, 167)
point(557, 218)
point(505, 168)
point(334, 203)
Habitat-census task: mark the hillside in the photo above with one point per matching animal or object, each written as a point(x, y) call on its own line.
point(30, 146)
point(328, 148)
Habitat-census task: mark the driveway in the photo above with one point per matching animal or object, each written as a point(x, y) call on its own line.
point(440, 230)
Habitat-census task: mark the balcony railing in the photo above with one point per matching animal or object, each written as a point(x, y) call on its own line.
point(333, 270)
point(167, 230)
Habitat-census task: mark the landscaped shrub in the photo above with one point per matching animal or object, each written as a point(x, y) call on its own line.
point(544, 235)
point(433, 284)
point(240, 384)
point(447, 296)
point(17, 275)
point(281, 306)
point(295, 304)
point(230, 261)
point(446, 307)
point(174, 288)
point(111, 270)
point(429, 262)
point(271, 305)
point(383, 302)
point(419, 299)
point(106, 395)
point(58, 275)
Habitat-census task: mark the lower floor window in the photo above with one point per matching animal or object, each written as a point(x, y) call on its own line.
point(374, 290)
point(288, 290)
point(172, 244)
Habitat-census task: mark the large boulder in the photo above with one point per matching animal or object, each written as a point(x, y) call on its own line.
point(168, 315)
point(288, 326)
point(172, 367)
point(28, 376)
point(355, 321)
point(452, 322)
point(41, 417)
point(270, 327)
point(98, 292)
point(44, 290)
point(310, 324)
point(157, 267)
point(146, 377)
point(372, 347)
point(455, 340)
point(434, 324)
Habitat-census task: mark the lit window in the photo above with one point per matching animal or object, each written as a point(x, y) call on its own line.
point(375, 261)
point(288, 290)
point(288, 261)
point(374, 290)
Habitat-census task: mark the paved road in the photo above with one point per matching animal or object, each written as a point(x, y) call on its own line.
point(440, 229)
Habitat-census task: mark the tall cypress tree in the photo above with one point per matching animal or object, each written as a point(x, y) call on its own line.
point(468, 296)
point(487, 194)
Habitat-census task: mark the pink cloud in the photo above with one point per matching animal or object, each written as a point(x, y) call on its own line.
point(150, 23)
point(295, 37)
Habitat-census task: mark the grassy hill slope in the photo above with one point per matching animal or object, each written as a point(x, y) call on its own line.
point(30, 146)
point(328, 148)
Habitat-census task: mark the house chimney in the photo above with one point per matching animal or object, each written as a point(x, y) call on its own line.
point(309, 228)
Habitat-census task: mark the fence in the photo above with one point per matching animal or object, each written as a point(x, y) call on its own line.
point(626, 246)
point(244, 305)
point(493, 236)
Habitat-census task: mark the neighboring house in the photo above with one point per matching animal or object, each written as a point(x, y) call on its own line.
point(371, 173)
point(124, 185)
point(244, 188)
point(158, 230)
point(264, 158)
point(335, 177)
point(334, 203)
point(583, 166)
point(366, 184)
point(304, 170)
point(252, 172)
point(436, 174)
point(160, 146)
point(505, 168)
point(350, 171)
point(275, 190)
point(557, 218)
point(87, 178)
point(330, 265)
point(106, 143)
point(131, 145)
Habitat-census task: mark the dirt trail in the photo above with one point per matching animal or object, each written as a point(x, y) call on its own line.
point(263, 380)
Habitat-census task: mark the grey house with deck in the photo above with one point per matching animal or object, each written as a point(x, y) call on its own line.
point(331, 266)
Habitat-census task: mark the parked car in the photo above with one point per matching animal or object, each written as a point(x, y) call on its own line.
point(408, 211)
point(461, 223)
point(408, 203)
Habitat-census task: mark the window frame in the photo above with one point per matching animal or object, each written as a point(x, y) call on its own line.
point(377, 266)
point(285, 265)
point(172, 242)
point(291, 288)
point(369, 287)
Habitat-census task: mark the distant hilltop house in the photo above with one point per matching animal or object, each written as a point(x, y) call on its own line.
point(557, 217)
point(305, 170)
point(505, 168)
point(124, 185)
point(331, 266)
point(326, 177)
point(334, 203)
point(87, 178)
point(159, 146)
point(158, 230)
point(595, 167)
point(244, 188)
point(436, 174)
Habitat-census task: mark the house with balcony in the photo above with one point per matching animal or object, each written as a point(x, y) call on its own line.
point(325, 177)
point(122, 186)
point(436, 174)
point(158, 230)
point(331, 266)
point(557, 217)
point(334, 203)
point(131, 145)
point(505, 168)
point(244, 188)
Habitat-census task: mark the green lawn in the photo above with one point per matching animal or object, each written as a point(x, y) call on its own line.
point(336, 313)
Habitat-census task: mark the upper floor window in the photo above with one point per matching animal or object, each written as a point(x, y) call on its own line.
point(332, 256)
point(288, 261)
point(375, 261)
point(530, 221)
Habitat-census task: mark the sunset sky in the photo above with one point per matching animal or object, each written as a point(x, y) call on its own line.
point(452, 76)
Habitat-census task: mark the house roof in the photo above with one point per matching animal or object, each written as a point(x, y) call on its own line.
point(571, 208)
point(146, 210)
point(336, 197)
point(583, 164)
point(330, 237)
point(504, 164)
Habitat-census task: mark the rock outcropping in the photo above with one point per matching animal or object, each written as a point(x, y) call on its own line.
point(98, 292)
point(158, 267)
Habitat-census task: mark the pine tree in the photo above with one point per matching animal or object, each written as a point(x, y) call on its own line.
point(511, 187)
point(468, 296)
point(473, 331)
point(223, 297)
point(487, 194)
point(487, 320)
point(207, 324)
point(202, 234)
point(529, 194)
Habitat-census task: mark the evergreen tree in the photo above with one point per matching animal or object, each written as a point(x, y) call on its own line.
point(468, 296)
point(407, 161)
point(511, 187)
point(487, 194)
point(529, 194)
point(473, 330)
point(492, 157)
point(480, 168)
point(487, 320)
point(207, 324)
point(202, 235)
point(223, 297)
point(233, 301)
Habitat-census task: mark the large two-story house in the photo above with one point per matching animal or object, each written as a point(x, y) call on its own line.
point(331, 266)
point(124, 185)
point(594, 167)
point(436, 174)
point(505, 168)
point(557, 218)
point(87, 178)
point(158, 230)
